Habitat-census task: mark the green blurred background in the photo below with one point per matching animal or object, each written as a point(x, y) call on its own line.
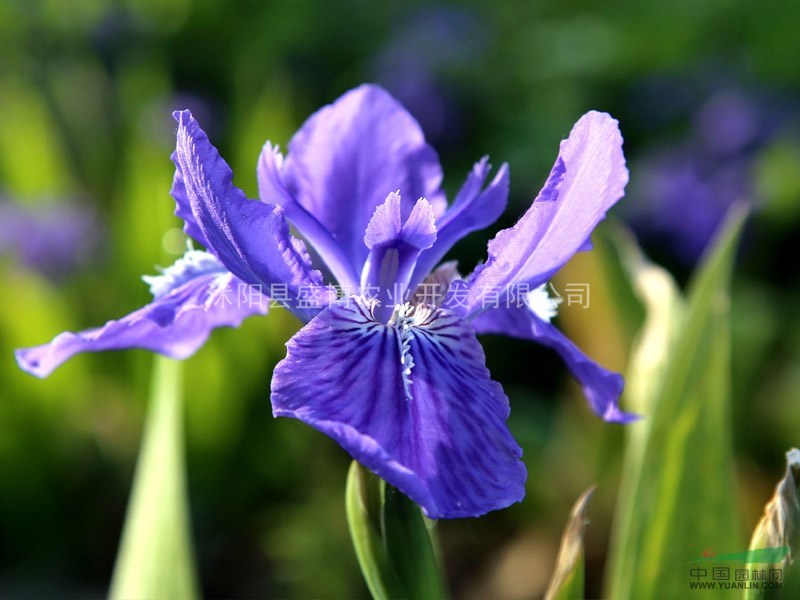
point(707, 94)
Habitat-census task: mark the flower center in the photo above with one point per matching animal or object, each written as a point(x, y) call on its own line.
point(404, 318)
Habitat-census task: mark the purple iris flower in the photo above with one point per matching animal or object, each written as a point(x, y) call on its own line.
point(686, 187)
point(396, 376)
point(54, 240)
point(419, 58)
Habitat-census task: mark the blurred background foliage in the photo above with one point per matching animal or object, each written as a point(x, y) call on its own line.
point(708, 97)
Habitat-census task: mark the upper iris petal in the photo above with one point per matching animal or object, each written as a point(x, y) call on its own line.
point(349, 155)
point(588, 178)
point(250, 238)
point(272, 190)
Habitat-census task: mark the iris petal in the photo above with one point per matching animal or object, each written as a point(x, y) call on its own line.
point(349, 155)
point(183, 207)
point(602, 388)
point(175, 324)
point(272, 190)
point(588, 178)
point(473, 209)
point(411, 400)
point(250, 238)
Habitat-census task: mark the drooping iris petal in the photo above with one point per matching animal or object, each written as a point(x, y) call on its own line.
point(349, 155)
point(588, 178)
point(272, 190)
point(250, 238)
point(191, 300)
point(474, 208)
point(411, 400)
point(602, 388)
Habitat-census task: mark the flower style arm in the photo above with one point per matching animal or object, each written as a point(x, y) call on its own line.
point(474, 208)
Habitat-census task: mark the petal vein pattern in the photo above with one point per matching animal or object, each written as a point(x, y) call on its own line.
point(414, 404)
point(183, 206)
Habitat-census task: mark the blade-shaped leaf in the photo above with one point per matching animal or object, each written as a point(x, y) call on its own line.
point(391, 540)
point(776, 538)
point(155, 557)
point(408, 541)
point(675, 498)
point(568, 576)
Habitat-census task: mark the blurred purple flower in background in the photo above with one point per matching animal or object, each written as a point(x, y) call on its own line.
point(683, 189)
point(420, 59)
point(52, 239)
point(392, 370)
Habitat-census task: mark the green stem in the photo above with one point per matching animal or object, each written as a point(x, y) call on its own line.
point(364, 496)
point(155, 558)
point(393, 544)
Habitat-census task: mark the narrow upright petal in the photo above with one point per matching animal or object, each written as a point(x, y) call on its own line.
point(588, 178)
point(250, 238)
point(349, 155)
point(602, 388)
point(473, 209)
point(411, 400)
point(192, 297)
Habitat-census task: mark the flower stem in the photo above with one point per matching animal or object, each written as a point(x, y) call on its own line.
point(391, 539)
point(155, 558)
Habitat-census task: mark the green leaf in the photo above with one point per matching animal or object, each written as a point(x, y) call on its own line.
point(155, 558)
point(391, 540)
point(776, 538)
point(568, 576)
point(408, 541)
point(676, 494)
